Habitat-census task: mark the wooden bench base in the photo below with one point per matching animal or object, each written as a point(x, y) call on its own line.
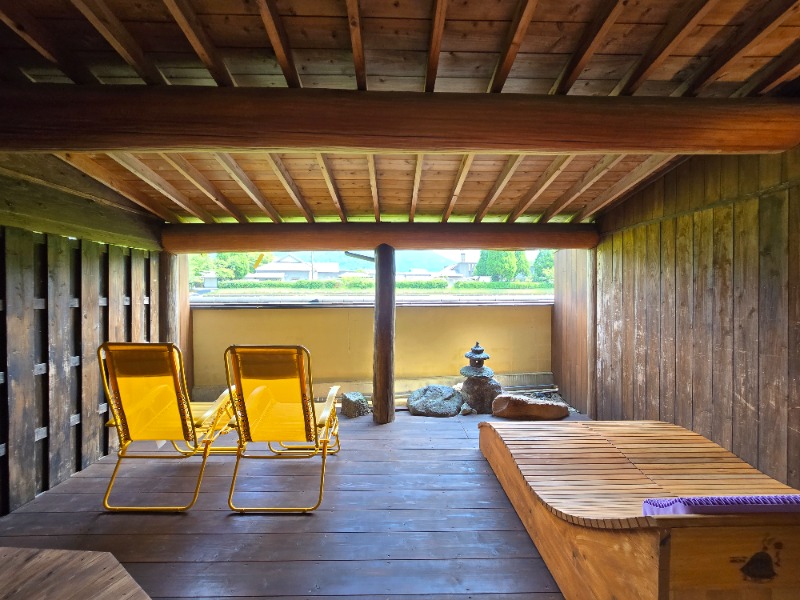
point(626, 555)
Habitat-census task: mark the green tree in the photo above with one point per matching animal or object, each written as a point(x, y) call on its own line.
point(543, 266)
point(500, 265)
point(199, 264)
point(227, 265)
point(523, 266)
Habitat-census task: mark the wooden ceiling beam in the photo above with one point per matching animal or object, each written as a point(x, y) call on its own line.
point(680, 25)
point(330, 182)
point(279, 41)
point(99, 173)
point(633, 178)
point(28, 27)
point(192, 28)
point(592, 38)
point(54, 118)
point(223, 237)
point(512, 164)
point(289, 185)
point(784, 67)
point(550, 174)
point(461, 177)
point(435, 46)
point(603, 166)
point(235, 171)
point(755, 30)
point(116, 34)
point(373, 186)
point(201, 182)
point(516, 35)
point(158, 183)
point(356, 43)
point(415, 187)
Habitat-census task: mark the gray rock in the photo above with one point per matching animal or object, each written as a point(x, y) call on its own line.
point(517, 406)
point(435, 401)
point(466, 409)
point(479, 392)
point(355, 405)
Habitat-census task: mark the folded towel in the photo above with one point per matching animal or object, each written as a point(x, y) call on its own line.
point(721, 505)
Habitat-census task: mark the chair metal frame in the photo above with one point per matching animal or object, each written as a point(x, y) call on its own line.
point(198, 437)
point(320, 429)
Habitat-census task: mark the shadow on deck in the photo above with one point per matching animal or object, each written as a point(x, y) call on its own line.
point(411, 509)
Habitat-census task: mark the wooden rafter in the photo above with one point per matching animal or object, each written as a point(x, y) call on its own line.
point(435, 44)
point(289, 185)
point(279, 40)
point(603, 166)
point(192, 28)
point(463, 171)
point(157, 182)
point(550, 174)
point(201, 182)
point(330, 182)
point(163, 118)
point(117, 35)
point(591, 40)
point(231, 237)
point(516, 34)
point(754, 31)
point(633, 178)
point(99, 173)
point(784, 67)
point(227, 162)
point(373, 186)
point(680, 25)
point(415, 188)
point(28, 27)
point(512, 164)
point(359, 63)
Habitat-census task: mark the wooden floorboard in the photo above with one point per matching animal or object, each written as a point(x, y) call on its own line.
point(411, 511)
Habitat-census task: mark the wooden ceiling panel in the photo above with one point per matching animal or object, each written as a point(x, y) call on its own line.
point(401, 64)
point(551, 37)
point(469, 36)
point(480, 10)
point(396, 34)
point(317, 32)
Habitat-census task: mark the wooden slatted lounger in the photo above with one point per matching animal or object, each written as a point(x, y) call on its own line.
point(578, 487)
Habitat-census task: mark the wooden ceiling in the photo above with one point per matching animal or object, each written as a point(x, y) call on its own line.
point(695, 49)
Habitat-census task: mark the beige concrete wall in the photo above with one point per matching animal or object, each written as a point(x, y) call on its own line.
point(430, 341)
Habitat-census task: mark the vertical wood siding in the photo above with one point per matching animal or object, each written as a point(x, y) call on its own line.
point(60, 299)
point(698, 307)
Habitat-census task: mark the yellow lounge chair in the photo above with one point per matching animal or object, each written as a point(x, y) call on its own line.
point(274, 403)
point(146, 390)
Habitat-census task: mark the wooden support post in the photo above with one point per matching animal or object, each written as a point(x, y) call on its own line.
point(168, 314)
point(383, 367)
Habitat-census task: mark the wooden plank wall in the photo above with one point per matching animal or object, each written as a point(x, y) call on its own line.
point(61, 297)
point(698, 306)
point(573, 330)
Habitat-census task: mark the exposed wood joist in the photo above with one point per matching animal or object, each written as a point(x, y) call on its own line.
point(224, 237)
point(330, 182)
point(117, 35)
point(511, 166)
point(192, 28)
point(289, 185)
point(201, 182)
point(99, 173)
point(784, 67)
point(544, 181)
point(639, 174)
point(592, 38)
point(435, 45)
point(373, 186)
point(603, 166)
point(227, 162)
point(359, 62)
point(415, 187)
point(463, 171)
point(755, 30)
point(680, 25)
point(28, 27)
point(516, 34)
point(158, 183)
point(279, 41)
point(114, 118)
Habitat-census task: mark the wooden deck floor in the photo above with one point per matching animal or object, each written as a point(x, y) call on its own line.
point(411, 510)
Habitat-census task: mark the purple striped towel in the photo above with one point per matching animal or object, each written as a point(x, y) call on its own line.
point(715, 505)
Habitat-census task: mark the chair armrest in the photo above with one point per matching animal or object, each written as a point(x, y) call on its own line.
point(323, 409)
point(205, 413)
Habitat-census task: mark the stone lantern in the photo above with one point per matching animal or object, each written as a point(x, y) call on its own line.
point(480, 388)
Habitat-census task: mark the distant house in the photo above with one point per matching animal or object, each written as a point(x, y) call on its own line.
point(291, 268)
point(464, 267)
